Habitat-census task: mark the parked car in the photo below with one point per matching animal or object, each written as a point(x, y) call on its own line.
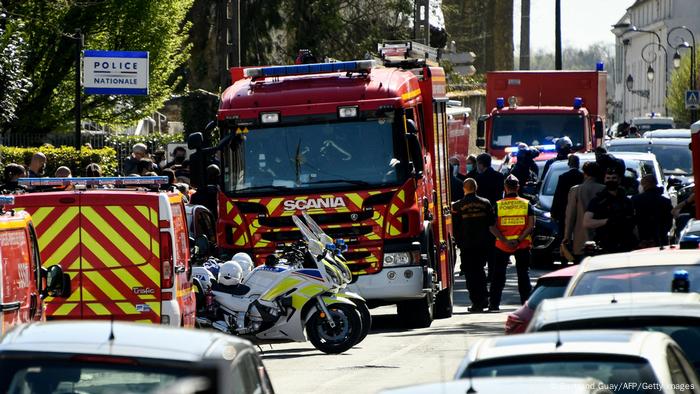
point(550, 285)
point(652, 122)
point(546, 237)
point(673, 155)
point(668, 133)
point(119, 357)
point(519, 384)
point(674, 314)
point(652, 360)
point(690, 233)
point(639, 271)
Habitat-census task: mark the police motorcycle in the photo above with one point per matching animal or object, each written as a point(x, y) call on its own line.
point(276, 301)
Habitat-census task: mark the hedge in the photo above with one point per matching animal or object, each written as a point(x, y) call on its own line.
point(63, 156)
point(154, 141)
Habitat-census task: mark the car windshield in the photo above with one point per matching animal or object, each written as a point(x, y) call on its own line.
point(545, 292)
point(656, 278)
point(609, 369)
point(508, 130)
point(49, 377)
point(674, 159)
point(685, 331)
point(642, 127)
point(630, 182)
point(314, 156)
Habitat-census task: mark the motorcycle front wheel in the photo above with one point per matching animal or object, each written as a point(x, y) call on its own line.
point(345, 334)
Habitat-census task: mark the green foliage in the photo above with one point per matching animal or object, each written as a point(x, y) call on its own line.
point(680, 82)
point(63, 156)
point(156, 26)
point(13, 81)
point(573, 58)
point(154, 141)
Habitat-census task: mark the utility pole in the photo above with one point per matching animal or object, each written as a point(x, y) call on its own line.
point(79, 41)
point(557, 35)
point(525, 35)
point(421, 22)
point(229, 38)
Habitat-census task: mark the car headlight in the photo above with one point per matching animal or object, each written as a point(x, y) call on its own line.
point(396, 259)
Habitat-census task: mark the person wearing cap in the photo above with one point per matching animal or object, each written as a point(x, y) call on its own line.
point(472, 218)
point(563, 146)
point(138, 152)
point(606, 160)
point(611, 215)
point(515, 220)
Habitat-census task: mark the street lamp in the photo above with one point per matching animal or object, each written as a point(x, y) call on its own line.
point(682, 43)
point(650, 73)
point(629, 83)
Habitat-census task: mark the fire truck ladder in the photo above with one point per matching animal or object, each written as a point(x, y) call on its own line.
point(407, 54)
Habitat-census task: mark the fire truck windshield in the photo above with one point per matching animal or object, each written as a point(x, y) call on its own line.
point(536, 129)
point(317, 156)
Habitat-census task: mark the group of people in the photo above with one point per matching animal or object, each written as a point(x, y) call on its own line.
point(36, 168)
point(492, 221)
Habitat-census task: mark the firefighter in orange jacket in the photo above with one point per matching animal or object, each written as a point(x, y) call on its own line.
point(515, 220)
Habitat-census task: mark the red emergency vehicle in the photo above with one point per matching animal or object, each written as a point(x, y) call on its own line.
point(363, 149)
point(126, 250)
point(23, 282)
point(537, 107)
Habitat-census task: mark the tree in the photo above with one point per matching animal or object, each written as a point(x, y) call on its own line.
point(156, 26)
point(13, 81)
point(680, 82)
point(573, 58)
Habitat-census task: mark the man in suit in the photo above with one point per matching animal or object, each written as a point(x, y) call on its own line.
point(578, 199)
point(490, 184)
point(566, 181)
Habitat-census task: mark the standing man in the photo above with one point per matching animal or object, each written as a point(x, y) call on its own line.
point(456, 180)
point(473, 215)
point(490, 184)
point(652, 213)
point(515, 220)
point(611, 215)
point(566, 181)
point(138, 152)
point(37, 166)
point(579, 198)
point(563, 147)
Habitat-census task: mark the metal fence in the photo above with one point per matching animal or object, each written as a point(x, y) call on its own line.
point(36, 139)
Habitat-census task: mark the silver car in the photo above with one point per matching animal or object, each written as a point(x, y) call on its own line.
point(119, 357)
point(520, 385)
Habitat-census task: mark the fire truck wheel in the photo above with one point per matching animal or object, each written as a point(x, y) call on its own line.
point(416, 313)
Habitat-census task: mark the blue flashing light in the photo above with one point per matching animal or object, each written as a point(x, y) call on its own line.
point(7, 200)
point(680, 274)
point(500, 102)
point(315, 68)
point(600, 66)
point(330, 246)
point(97, 181)
point(578, 102)
point(546, 148)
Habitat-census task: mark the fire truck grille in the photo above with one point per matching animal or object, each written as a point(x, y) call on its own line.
point(346, 232)
point(332, 218)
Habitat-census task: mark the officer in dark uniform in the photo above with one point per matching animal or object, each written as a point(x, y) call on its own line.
point(472, 216)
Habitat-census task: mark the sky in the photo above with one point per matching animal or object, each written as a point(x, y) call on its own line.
point(584, 22)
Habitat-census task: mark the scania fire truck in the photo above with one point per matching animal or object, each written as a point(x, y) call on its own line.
point(361, 147)
point(537, 107)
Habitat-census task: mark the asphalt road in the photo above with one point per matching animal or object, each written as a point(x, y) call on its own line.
point(390, 356)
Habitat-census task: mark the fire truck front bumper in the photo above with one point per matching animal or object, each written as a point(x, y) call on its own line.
point(391, 284)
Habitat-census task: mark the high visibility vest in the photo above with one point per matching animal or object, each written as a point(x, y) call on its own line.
point(512, 221)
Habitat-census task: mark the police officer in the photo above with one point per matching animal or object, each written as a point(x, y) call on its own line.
point(515, 220)
point(611, 214)
point(563, 146)
point(472, 216)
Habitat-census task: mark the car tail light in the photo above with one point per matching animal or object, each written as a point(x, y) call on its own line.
point(166, 258)
point(514, 325)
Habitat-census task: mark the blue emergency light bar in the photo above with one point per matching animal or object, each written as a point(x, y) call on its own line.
point(315, 68)
point(541, 148)
point(96, 181)
point(7, 200)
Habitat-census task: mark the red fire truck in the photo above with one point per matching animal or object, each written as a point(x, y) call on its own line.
point(364, 150)
point(537, 107)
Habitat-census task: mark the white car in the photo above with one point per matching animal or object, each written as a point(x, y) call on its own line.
point(520, 385)
point(119, 357)
point(675, 314)
point(653, 122)
point(646, 270)
point(627, 361)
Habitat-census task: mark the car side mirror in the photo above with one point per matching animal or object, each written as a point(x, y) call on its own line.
point(481, 131)
point(57, 282)
point(599, 132)
point(416, 152)
point(195, 141)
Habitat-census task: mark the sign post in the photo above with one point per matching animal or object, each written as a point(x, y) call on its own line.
point(695, 145)
point(116, 72)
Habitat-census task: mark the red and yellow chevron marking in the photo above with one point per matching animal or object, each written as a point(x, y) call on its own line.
point(110, 252)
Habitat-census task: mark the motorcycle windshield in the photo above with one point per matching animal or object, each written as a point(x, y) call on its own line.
point(316, 229)
point(312, 157)
point(536, 129)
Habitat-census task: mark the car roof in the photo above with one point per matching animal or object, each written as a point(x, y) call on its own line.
point(692, 225)
point(498, 385)
point(605, 342)
point(134, 340)
point(598, 306)
point(642, 257)
point(648, 141)
point(626, 156)
point(664, 132)
point(562, 273)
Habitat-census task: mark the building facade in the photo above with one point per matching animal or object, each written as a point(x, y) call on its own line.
point(637, 53)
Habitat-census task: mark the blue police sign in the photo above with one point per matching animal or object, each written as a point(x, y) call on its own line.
point(692, 99)
point(115, 72)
